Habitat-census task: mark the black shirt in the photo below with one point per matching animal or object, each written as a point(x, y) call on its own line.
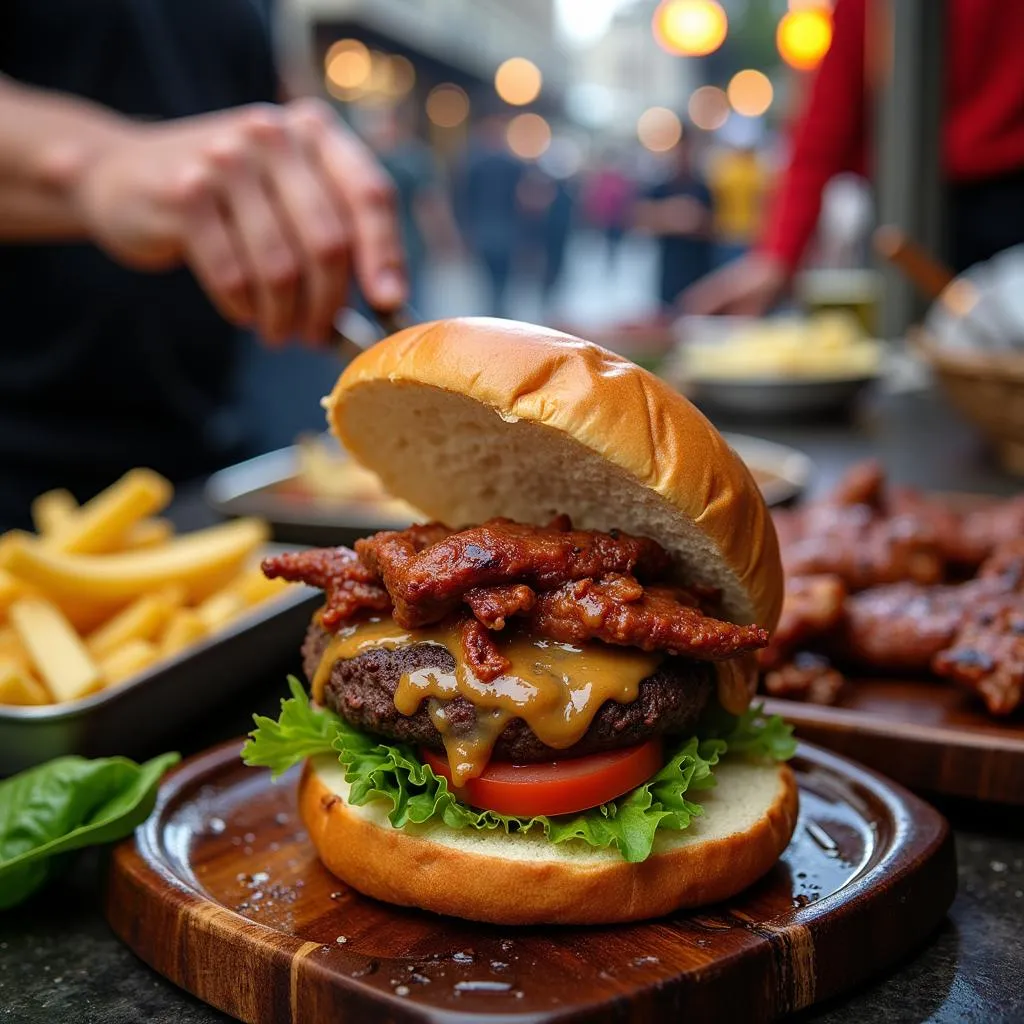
point(101, 367)
point(683, 259)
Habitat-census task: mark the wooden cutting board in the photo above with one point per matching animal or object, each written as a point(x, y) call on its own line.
point(927, 734)
point(221, 892)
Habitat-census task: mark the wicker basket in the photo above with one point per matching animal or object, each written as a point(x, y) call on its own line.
point(987, 389)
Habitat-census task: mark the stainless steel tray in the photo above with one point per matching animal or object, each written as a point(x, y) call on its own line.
point(250, 489)
point(133, 718)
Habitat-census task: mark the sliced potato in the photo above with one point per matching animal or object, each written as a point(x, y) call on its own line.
point(128, 660)
point(147, 533)
point(12, 649)
point(201, 562)
point(19, 686)
point(254, 587)
point(220, 608)
point(53, 511)
point(56, 650)
point(101, 522)
point(143, 619)
point(184, 629)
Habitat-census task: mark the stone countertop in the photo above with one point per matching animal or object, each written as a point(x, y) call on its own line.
point(59, 961)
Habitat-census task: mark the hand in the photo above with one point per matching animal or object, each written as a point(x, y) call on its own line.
point(272, 207)
point(682, 215)
point(749, 286)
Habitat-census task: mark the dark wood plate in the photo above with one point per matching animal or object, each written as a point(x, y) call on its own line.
point(221, 892)
point(927, 734)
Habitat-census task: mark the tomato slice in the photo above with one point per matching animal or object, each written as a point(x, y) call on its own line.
point(555, 787)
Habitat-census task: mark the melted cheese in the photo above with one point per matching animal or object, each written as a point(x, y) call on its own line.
point(556, 689)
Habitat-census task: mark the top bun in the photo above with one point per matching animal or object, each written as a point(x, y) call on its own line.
point(473, 418)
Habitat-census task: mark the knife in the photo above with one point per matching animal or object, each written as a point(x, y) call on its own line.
point(354, 332)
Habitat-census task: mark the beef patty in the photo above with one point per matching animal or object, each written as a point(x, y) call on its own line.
point(362, 691)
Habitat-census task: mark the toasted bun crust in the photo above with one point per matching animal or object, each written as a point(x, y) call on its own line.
point(473, 418)
point(748, 821)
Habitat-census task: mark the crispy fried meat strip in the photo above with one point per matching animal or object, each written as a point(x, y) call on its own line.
point(662, 619)
point(427, 585)
point(492, 606)
point(808, 677)
point(1006, 562)
point(987, 656)
point(349, 587)
point(957, 544)
point(812, 606)
point(991, 527)
point(864, 550)
point(481, 654)
point(862, 484)
point(901, 627)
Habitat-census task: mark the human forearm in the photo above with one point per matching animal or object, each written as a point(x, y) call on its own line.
point(46, 141)
point(826, 139)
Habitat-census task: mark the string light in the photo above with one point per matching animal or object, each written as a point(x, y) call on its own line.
point(690, 28)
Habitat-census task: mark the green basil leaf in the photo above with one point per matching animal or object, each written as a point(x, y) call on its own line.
point(64, 805)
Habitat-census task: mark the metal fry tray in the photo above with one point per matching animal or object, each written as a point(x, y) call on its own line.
point(132, 718)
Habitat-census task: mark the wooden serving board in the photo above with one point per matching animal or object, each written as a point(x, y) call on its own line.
point(928, 734)
point(222, 892)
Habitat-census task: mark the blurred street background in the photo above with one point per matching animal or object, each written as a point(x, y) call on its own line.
point(539, 147)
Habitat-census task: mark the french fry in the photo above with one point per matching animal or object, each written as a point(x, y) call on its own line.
point(147, 533)
point(143, 619)
point(11, 588)
point(9, 541)
point(56, 650)
point(200, 562)
point(12, 649)
point(220, 608)
point(19, 686)
point(255, 588)
point(53, 511)
point(101, 522)
point(184, 629)
point(128, 660)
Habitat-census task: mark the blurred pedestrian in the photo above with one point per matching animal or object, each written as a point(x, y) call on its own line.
point(982, 150)
point(424, 212)
point(678, 212)
point(486, 203)
point(608, 200)
point(171, 204)
point(738, 180)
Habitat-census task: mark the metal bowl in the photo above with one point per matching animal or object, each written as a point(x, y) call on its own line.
point(775, 398)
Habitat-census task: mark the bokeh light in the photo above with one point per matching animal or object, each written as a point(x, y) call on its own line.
point(447, 105)
point(402, 76)
point(347, 65)
point(528, 136)
point(708, 107)
point(658, 129)
point(804, 36)
point(690, 28)
point(518, 81)
point(750, 93)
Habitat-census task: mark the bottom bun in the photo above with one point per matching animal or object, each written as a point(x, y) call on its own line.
point(748, 820)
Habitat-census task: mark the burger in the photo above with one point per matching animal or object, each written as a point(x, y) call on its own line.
point(535, 708)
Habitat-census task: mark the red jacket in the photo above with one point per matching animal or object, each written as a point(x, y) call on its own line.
point(983, 120)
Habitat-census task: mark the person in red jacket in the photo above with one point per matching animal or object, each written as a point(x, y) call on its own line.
point(982, 150)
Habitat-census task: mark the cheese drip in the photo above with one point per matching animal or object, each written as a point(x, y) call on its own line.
point(555, 688)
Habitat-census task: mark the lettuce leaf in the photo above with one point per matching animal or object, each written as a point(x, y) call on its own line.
point(379, 770)
point(66, 804)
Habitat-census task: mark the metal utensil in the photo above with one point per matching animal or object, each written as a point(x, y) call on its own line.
point(921, 268)
point(354, 332)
